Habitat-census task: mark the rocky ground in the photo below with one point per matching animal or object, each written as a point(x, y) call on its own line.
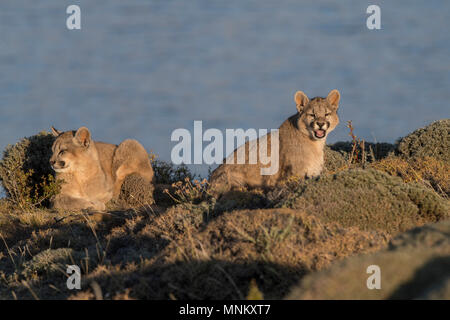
point(376, 204)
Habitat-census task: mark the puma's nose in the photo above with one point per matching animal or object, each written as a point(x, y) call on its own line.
point(321, 124)
point(52, 162)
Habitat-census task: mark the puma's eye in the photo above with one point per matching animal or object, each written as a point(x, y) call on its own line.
point(311, 115)
point(62, 152)
point(327, 114)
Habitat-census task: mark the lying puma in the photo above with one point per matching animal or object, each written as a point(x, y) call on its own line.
point(93, 172)
point(301, 147)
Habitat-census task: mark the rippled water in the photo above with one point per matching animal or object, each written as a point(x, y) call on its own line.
point(140, 69)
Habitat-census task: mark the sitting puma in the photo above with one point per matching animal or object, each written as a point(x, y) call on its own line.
point(301, 147)
point(92, 171)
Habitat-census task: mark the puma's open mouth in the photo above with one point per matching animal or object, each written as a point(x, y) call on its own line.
point(319, 133)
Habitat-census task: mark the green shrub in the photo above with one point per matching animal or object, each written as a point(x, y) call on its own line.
point(25, 172)
point(432, 141)
point(380, 149)
point(369, 199)
point(167, 173)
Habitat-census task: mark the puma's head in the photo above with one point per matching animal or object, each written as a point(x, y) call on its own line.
point(71, 149)
point(318, 116)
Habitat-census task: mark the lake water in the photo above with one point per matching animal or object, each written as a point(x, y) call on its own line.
point(140, 69)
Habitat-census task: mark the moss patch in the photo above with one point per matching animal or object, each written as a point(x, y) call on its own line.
point(415, 266)
point(432, 141)
point(368, 199)
point(335, 160)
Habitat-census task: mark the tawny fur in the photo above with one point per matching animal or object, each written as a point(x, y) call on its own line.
point(92, 171)
point(301, 152)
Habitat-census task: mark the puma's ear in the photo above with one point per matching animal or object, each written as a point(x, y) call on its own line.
point(301, 100)
point(55, 132)
point(83, 137)
point(333, 98)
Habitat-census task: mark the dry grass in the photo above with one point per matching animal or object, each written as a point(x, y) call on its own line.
point(173, 253)
point(428, 171)
point(356, 153)
point(188, 191)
